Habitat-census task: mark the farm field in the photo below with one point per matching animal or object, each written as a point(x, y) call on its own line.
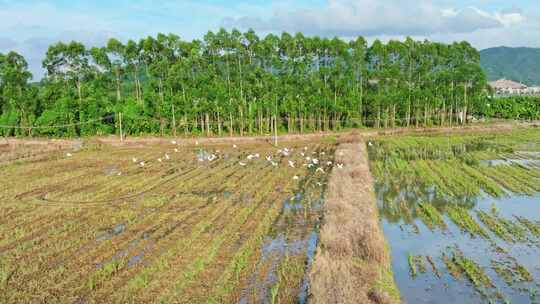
point(461, 214)
point(171, 223)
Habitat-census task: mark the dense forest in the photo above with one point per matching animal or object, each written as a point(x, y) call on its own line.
point(238, 83)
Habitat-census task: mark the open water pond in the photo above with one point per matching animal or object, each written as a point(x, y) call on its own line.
point(462, 227)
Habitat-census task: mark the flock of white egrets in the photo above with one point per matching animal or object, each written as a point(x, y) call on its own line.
point(310, 160)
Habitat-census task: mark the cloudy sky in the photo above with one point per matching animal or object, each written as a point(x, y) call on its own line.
point(29, 26)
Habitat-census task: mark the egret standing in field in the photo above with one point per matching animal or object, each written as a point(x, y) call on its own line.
point(167, 156)
point(69, 154)
point(134, 160)
point(291, 164)
point(242, 164)
point(141, 164)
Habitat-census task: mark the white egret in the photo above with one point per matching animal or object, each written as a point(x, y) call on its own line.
point(296, 177)
point(69, 154)
point(340, 166)
point(234, 146)
point(242, 164)
point(269, 158)
point(291, 164)
point(173, 142)
point(134, 160)
point(159, 160)
point(167, 156)
point(141, 163)
point(175, 150)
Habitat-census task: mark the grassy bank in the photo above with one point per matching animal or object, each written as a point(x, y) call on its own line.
point(352, 264)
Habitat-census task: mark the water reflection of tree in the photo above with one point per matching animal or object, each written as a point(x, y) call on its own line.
point(398, 199)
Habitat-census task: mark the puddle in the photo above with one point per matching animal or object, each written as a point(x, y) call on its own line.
point(137, 258)
point(111, 232)
point(111, 171)
point(509, 161)
point(312, 247)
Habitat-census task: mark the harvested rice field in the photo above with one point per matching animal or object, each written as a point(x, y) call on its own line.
point(461, 214)
point(162, 222)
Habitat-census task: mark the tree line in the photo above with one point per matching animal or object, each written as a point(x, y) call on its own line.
point(239, 83)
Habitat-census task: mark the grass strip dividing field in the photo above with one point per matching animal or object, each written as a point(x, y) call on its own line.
point(352, 258)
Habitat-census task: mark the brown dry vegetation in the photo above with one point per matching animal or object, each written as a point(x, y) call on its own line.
point(97, 227)
point(352, 264)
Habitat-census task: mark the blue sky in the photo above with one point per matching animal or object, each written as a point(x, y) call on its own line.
point(30, 26)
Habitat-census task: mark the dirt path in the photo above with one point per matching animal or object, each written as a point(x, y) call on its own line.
point(352, 264)
point(133, 141)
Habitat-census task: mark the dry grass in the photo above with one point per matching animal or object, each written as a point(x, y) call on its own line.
point(95, 227)
point(352, 263)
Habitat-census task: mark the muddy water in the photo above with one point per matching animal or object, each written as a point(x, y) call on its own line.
point(427, 288)
point(408, 235)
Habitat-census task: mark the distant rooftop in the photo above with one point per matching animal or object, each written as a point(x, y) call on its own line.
point(507, 84)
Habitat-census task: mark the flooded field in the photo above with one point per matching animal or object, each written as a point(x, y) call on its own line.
point(461, 215)
point(204, 223)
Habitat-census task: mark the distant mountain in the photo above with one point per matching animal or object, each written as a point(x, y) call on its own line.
point(518, 64)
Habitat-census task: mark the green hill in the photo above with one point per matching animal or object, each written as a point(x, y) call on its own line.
point(518, 64)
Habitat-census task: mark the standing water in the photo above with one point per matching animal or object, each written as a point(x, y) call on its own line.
point(462, 216)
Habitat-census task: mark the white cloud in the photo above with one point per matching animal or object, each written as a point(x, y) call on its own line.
point(374, 17)
point(509, 19)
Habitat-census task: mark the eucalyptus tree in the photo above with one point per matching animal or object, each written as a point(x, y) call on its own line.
point(116, 57)
point(17, 106)
point(70, 63)
point(237, 82)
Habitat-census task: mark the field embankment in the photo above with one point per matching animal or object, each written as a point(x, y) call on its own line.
point(352, 264)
